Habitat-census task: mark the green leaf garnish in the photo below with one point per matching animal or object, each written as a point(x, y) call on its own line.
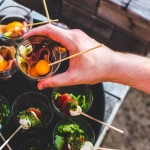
point(8, 33)
point(59, 141)
point(4, 113)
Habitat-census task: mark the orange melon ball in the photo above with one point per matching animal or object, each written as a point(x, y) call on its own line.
point(12, 25)
point(42, 67)
point(33, 72)
point(4, 64)
point(1, 65)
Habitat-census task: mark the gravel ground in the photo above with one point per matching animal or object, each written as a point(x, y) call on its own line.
point(134, 119)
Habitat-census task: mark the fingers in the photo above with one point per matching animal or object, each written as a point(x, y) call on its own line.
point(53, 32)
point(56, 81)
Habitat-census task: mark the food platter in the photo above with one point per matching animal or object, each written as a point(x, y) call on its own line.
point(17, 85)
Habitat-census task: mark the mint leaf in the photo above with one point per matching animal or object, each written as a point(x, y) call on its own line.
point(59, 141)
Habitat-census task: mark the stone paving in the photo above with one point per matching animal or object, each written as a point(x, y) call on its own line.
point(133, 118)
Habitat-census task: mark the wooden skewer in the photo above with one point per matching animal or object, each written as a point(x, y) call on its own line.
point(32, 24)
point(1, 136)
point(46, 10)
point(10, 137)
point(101, 148)
point(74, 55)
point(116, 129)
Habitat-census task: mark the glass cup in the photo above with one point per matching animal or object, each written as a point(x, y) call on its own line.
point(36, 101)
point(81, 93)
point(4, 112)
point(63, 50)
point(33, 56)
point(13, 21)
point(36, 144)
point(72, 129)
point(8, 66)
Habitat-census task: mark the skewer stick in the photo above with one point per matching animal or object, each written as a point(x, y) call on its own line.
point(74, 55)
point(116, 129)
point(101, 148)
point(46, 10)
point(10, 137)
point(41, 23)
point(32, 24)
point(35, 24)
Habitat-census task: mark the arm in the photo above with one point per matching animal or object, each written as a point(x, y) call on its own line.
point(99, 65)
point(132, 70)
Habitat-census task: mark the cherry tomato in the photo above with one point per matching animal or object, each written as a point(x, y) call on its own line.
point(64, 107)
point(37, 112)
point(63, 98)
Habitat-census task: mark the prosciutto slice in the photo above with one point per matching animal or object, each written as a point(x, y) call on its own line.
point(8, 53)
point(11, 64)
point(33, 57)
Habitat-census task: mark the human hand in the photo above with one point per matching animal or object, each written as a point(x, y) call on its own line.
point(89, 68)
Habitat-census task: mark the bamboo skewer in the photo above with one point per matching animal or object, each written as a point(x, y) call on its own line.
point(32, 24)
point(38, 23)
point(10, 137)
point(74, 55)
point(46, 10)
point(116, 129)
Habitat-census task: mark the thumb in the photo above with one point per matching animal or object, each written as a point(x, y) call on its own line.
point(62, 79)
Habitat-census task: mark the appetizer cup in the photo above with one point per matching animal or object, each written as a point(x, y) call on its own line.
point(4, 112)
point(13, 20)
point(34, 55)
point(35, 108)
point(8, 66)
point(68, 97)
point(63, 50)
point(72, 132)
point(36, 144)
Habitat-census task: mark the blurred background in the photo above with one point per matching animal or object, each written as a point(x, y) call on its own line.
point(122, 25)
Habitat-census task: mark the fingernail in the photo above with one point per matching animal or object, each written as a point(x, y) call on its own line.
point(41, 87)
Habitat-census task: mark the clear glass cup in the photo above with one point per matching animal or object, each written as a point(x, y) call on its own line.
point(64, 132)
point(33, 100)
point(36, 144)
point(8, 49)
point(31, 51)
point(82, 92)
point(63, 50)
point(4, 112)
point(17, 16)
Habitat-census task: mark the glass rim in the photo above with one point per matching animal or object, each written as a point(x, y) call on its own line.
point(15, 7)
point(75, 120)
point(37, 93)
point(57, 109)
point(43, 77)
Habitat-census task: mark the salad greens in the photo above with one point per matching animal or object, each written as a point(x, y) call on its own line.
point(4, 114)
point(80, 99)
point(69, 134)
point(23, 51)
